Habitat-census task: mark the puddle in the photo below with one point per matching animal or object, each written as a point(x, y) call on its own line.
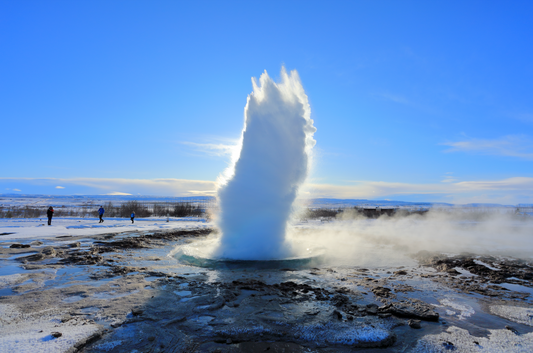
point(90, 310)
point(517, 288)
point(14, 257)
point(184, 293)
point(10, 270)
point(204, 319)
point(73, 299)
point(6, 292)
point(112, 295)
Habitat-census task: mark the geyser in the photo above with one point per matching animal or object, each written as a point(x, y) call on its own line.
point(256, 200)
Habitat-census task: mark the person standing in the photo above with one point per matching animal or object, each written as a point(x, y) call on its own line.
point(101, 213)
point(50, 214)
point(132, 217)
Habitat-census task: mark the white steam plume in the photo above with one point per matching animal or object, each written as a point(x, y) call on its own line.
point(390, 241)
point(256, 202)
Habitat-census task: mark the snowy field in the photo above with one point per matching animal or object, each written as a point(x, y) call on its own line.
point(435, 283)
point(37, 228)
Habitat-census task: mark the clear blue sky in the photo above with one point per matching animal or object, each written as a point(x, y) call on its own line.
point(412, 100)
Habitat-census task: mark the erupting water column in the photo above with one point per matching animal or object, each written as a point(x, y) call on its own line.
point(256, 202)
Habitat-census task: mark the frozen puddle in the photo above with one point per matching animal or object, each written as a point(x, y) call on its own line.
point(184, 293)
point(112, 295)
point(9, 280)
point(486, 265)
point(517, 288)
point(517, 314)
point(464, 310)
point(73, 299)
point(204, 319)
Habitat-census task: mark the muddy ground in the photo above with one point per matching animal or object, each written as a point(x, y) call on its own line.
point(124, 293)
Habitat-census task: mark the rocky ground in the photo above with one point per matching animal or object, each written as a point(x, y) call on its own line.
point(124, 293)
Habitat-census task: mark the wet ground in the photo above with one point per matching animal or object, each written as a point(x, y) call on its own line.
point(126, 292)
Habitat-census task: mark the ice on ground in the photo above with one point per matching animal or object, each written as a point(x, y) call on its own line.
point(464, 310)
point(517, 314)
point(107, 346)
point(32, 333)
point(184, 293)
point(333, 333)
point(459, 340)
point(517, 288)
point(113, 295)
point(10, 280)
point(486, 265)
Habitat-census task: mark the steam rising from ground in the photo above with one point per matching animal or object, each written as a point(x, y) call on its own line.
point(389, 241)
point(256, 202)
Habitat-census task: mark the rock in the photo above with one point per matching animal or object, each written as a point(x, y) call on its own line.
point(414, 309)
point(229, 341)
point(56, 334)
point(151, 338)
point(452, 271)
point(137, 312)
point(414, 324)
point(36, 243)
point(372, 309)
point(74, 245)
point(400, 273)
point(449, 346)
point(35, 257)
point(49, 251)
point(337, 314)
point(339, 300)
point(512, 329)
point(19, 246)
point(381, 292)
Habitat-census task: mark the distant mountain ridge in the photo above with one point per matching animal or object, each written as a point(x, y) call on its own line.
point(324, 202)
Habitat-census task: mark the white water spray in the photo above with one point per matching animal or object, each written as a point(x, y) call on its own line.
point(256, 202)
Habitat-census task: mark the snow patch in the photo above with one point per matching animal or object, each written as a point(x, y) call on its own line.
point(31, 333)
point(459, 340)
point(514, 313)
point(465, 310)
point(10, 280)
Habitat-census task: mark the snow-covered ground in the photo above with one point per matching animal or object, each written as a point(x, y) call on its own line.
point(35, 228)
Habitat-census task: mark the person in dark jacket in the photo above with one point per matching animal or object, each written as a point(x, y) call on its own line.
point(101, 213)
point(50, 214)
point(132, 216)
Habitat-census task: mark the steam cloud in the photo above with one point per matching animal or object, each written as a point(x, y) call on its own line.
point(256, 202)
point(390, 241)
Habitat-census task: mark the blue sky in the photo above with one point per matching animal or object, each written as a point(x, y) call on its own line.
point(412, 100)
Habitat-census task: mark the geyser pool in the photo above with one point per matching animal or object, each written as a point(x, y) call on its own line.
point(256, 197)
point(200, 253)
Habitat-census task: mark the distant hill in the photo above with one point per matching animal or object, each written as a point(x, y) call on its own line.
point(319, 202)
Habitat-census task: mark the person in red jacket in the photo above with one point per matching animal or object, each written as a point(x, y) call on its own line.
point(50, 214)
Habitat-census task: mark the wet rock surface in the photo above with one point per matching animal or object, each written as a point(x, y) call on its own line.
point(140, 299)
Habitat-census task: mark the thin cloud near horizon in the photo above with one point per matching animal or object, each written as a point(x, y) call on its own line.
point(510, 190)
point(519, 146)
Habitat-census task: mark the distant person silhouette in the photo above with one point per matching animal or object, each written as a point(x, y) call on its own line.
point(132, 217)
point(50, 214)
point(101, 213)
